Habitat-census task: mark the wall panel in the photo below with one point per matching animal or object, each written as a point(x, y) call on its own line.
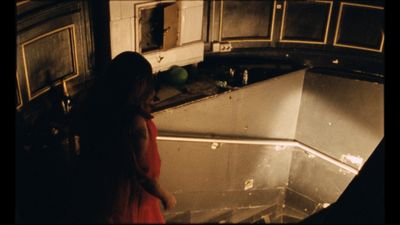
point(44, 66)
point(250, 21)
point(341, 117)
point(306, 22)
point(54, 47)
point(360, 26)
point(274, 103)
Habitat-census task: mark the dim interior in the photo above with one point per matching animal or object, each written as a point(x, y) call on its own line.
point(262, 170)
point(266, 110)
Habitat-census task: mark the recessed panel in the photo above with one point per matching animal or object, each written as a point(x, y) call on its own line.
point(48, 59)
point(305, 21)
point(252, 20)
point(360, 26)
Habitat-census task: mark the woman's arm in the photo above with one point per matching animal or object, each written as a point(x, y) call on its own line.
point(141, 137)
point(153, 187)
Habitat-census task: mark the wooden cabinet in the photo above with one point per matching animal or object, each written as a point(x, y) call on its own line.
point(181, 56)
point(167, 33)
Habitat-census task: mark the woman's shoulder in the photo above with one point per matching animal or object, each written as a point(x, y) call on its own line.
point(138, 122)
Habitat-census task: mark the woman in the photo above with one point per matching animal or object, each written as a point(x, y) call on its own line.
point(120, 164)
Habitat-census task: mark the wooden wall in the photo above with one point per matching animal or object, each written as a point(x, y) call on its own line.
point(346, 34)
point(55, 47)
point(55, 52)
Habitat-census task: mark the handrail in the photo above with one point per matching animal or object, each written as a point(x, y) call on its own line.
point(289, 143)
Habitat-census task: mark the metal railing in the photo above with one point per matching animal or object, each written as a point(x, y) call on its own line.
point(275, 142)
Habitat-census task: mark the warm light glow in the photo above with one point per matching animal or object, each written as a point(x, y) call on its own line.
point(357, 160)
point(327, 158)
point(291, 143)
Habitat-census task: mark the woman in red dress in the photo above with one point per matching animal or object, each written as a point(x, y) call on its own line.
point(147, 208)
point(120, 164)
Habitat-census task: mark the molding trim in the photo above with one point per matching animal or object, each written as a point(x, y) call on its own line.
point(325, 39)
point(20, 102)
point(67, 77)
point(335, 41)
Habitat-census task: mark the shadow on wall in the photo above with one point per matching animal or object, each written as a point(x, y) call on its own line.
point(363, 201)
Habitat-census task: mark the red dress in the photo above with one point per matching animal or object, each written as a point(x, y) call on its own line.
point(149, 210)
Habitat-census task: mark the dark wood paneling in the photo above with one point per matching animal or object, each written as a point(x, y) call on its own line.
point(252, 20)
point(206, 23)
point(54, 43)
point(308, 31)
point(55, 47)
point(34, 14)
point(98, 34)
point(360, 26)
point(18, 97)
point(305, 21)
point(49, 58)
point(18, 101)
point(26, 7)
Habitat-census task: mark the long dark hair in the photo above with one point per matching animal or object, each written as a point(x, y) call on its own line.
point(108, 157)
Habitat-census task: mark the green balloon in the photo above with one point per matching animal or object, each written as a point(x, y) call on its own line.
point(177, 76)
